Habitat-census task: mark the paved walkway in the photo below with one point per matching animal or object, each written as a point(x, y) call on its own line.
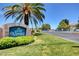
point(67, 35)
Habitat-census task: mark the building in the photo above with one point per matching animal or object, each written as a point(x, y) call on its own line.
point(72, 27)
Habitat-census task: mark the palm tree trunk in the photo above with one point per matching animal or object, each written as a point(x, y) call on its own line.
point(26, 19)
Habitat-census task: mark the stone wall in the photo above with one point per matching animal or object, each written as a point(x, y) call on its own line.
point(5, 29)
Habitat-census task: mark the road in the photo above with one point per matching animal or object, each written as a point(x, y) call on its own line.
point(67, 35)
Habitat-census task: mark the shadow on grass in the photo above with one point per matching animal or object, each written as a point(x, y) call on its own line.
point(37, 34)
point(76, 46)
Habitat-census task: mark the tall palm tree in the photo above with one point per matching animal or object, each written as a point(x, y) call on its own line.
point(28, 12)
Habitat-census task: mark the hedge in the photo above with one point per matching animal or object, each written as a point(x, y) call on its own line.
point(9, 42)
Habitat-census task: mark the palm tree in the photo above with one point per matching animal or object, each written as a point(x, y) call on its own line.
point(26, 12)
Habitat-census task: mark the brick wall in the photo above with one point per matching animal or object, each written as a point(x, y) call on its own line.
point(7, 26)
point(1, 32)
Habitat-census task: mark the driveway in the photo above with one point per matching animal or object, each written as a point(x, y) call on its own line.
point(67, 35)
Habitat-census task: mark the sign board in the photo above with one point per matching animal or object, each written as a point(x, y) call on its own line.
point(17, 31)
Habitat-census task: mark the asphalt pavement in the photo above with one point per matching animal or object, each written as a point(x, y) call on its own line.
point(66, 35)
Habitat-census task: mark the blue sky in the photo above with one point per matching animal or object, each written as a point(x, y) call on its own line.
point(54, 13)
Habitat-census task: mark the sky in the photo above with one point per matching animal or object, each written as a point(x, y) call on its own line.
point(55, 12)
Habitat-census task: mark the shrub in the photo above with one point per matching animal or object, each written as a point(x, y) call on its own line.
point(23, 40)
point(38, 30)
point(8, 42)
point(32, 32)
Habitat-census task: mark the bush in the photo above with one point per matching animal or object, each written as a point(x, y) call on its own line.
point(8, 42)
point(23, 40)
point(38, 30)
point(32, 32)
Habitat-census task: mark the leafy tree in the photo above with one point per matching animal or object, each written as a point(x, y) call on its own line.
point(66, 21)
point(63, 25)
point(46, 27)
point(26, 12)
point(77, 25)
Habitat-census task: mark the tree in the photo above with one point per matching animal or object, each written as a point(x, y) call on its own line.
point(46, 27)
point(66, 21)
point(63, 25)
point(26, 12)
point(77, 25)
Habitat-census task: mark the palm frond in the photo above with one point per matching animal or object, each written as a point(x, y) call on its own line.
point(33, 11)
point(19, 17)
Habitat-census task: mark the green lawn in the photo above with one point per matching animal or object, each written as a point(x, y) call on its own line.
point(44, 45)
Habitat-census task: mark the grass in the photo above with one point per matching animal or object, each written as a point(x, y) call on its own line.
point(44, 45)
